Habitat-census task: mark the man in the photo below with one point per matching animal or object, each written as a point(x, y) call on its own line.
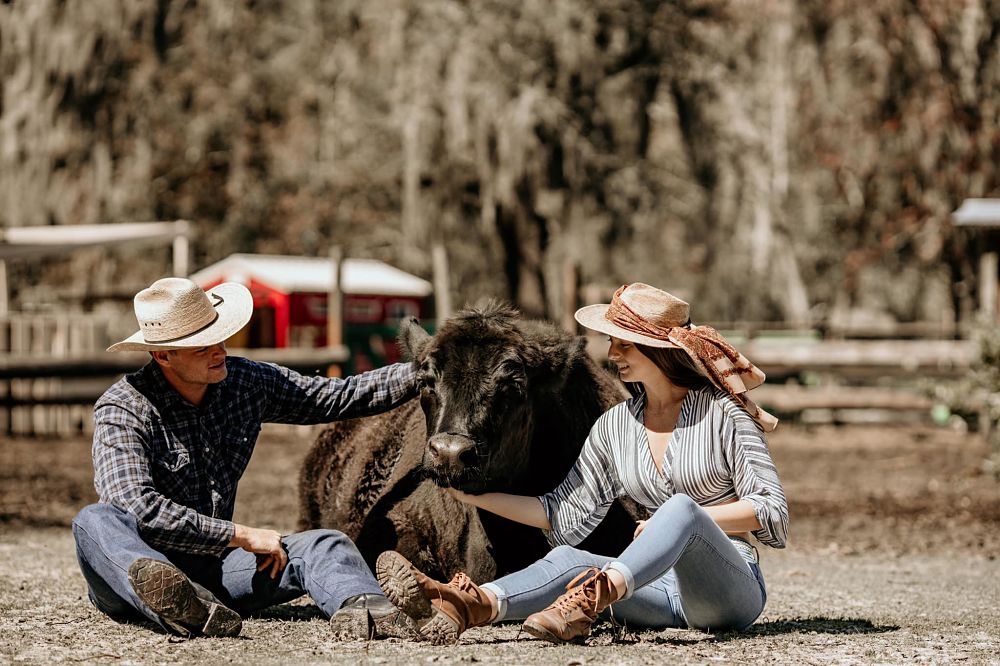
point(171, 442)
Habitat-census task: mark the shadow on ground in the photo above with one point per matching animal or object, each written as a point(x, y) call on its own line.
point(812, 625)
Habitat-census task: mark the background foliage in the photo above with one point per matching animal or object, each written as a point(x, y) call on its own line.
point(770, 159)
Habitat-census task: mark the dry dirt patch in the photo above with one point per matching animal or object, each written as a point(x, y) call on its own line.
point(893, 560)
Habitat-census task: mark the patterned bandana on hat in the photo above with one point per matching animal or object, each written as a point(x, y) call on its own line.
point(650, 316)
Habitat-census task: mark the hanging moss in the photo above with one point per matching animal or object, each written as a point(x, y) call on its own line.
point(771, 161)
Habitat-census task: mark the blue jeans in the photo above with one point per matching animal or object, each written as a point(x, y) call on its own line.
point(682, 571)
point(324, 564)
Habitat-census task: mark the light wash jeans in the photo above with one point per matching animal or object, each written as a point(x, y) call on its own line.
point(682, 571)
point(324, 564)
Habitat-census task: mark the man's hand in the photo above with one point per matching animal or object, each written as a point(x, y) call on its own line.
point(265, 544)
point(639, 527)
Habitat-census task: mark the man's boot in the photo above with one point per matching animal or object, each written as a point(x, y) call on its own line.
point(572, 614)
point(168, 593)
point(369, 616)
point(441, 611)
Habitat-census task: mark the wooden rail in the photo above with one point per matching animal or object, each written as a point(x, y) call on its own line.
point(46, 395)
point(863, 357)
point(796, 399)
point(102, 364)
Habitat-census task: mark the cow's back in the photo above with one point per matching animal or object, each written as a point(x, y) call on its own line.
point(354, 462)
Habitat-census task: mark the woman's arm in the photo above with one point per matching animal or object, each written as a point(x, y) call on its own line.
point(519, 508)
point(755, 479)
point(734, 517)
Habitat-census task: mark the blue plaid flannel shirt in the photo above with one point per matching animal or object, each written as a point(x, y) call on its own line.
point(175, 466)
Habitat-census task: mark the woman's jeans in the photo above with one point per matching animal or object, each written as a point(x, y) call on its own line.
point(324, 564)
point(682, 571)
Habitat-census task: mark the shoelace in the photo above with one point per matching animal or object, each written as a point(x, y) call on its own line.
point(586, 594)
point(462, 582)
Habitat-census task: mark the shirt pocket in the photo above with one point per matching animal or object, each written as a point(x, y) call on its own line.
point(239, 442)
point(170, 454)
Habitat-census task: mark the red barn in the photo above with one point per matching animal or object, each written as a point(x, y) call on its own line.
point(290, 302)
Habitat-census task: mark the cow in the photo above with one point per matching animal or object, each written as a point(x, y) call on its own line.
point(505, 405)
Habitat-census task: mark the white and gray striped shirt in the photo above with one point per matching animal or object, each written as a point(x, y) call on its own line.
point(716, 454)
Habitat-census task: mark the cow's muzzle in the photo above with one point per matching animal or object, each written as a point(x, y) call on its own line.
point(451, 454)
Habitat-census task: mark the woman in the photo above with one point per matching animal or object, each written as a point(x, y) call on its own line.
point(688, 445)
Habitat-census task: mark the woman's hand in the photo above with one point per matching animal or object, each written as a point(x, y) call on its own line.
point(519, 508)
point(459, 495)
point(639, 527)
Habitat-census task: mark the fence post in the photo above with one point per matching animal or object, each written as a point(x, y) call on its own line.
point(335, 306)
point(442, 283)
point(571, 287)
point(988, 287)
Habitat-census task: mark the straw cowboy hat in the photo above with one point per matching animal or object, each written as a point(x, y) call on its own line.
point(649, 316)
point(660, 310)
point(174, 313)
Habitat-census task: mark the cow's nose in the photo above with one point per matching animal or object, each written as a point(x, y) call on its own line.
point(455, 451)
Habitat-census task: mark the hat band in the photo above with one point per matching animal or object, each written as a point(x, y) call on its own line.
point(183, 335)
point(218, 300)
point(622, 315)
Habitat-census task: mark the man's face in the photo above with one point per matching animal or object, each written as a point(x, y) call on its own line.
point(196, 367)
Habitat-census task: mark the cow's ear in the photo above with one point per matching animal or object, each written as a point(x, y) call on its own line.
point(412, 338)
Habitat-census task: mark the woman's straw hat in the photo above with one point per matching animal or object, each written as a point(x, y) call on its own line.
point(174, 313)
point(649, 316)
point(657, 310)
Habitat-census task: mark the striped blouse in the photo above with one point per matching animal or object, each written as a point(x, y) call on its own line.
point(716, 454)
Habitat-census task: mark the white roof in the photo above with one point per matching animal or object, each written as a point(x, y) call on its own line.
point(55, 239)
point(290, 274)
point(978, 213)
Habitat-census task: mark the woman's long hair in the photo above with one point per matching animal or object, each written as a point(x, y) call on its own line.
point(675, 364)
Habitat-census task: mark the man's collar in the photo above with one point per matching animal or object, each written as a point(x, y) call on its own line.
point(154, 384)
point(169, 396)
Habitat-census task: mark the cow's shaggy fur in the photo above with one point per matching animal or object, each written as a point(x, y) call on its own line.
point(522, 394)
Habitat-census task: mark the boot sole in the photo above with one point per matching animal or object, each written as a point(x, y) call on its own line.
point(440, 629)
point(397, 580)
point(169, 594)
point(353, 624)
point(538, 631)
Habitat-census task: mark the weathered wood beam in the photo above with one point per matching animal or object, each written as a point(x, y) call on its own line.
point(22, 366)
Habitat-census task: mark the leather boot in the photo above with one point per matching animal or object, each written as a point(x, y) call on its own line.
point(441, 611)
point(572, 614)
point(365, 617)
point(171, 595)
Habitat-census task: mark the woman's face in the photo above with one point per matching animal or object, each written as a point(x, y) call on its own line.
point(633, 365)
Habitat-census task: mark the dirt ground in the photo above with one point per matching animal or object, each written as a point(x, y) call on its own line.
point(893, 559)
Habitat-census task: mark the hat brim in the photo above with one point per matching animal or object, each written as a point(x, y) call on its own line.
point(593, 317)
point(234, 312)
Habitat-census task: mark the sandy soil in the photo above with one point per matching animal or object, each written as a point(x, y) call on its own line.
point(893, 559)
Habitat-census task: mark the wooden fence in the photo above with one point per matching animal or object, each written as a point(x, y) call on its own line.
point(54, 367)
point(847, 381)
point(27, 402)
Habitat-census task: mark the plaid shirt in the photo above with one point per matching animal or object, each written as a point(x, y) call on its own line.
point(175, 466)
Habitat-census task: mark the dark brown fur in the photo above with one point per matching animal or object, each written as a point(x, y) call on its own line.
point(523, 396)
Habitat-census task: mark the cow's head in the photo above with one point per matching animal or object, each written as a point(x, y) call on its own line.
point(480, 376)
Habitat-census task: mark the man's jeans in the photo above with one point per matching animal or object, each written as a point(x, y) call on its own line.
point(324, 564)
point(682, 571)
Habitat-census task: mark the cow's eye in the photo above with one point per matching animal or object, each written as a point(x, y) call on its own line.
point(512, 387)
